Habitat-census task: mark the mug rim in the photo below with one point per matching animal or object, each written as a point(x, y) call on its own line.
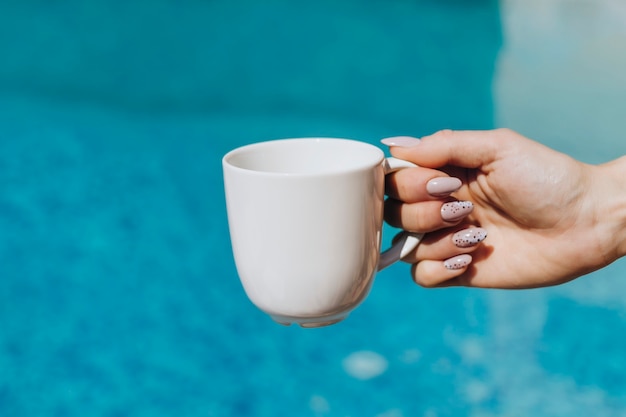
point(227, 158)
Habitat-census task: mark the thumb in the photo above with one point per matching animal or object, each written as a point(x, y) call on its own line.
point(467, 149)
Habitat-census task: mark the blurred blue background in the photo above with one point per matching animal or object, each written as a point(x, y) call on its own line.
point(118, 293)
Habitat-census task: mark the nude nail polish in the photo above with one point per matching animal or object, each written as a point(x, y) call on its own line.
point(458, 262)
point(402, 141)
point(456, 210)
point(443, 186)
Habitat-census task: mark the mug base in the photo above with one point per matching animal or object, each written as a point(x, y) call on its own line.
point(309, 322)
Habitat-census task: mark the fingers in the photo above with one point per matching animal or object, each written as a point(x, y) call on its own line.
point(419, 184)
point(418, 203)
point(445, 244)
point(431, 274)
point(468, 149)
point(444, 258)
point(445, 255)
point(426, 216)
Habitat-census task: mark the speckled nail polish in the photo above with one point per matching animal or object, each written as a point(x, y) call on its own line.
point(443, 186)
point(469, 237)
point(456, 210)
point(458, 262)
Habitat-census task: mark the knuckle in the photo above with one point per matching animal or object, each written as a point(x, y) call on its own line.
point(503, 131)
point(422, 279)
point(446, 133)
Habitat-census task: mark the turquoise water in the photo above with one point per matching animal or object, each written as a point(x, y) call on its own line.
point(118, 293)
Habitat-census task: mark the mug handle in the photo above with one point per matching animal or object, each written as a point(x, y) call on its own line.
point(408, 241)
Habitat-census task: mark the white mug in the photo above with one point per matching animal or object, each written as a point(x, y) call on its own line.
point(305, 218)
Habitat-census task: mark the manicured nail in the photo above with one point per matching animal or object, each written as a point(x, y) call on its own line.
point(402, 141)
point(443, 186)
point(458, 262)
point(456, 210)
point(469, 237)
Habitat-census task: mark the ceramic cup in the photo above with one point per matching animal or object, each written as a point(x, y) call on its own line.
point(305, 218)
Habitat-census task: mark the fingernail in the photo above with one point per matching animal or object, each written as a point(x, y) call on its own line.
point(456, 210)
point(458, 262)
point(443, 186)
point(403, 141)
point(469, 237)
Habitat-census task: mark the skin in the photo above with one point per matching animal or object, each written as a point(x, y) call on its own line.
point(550, 218)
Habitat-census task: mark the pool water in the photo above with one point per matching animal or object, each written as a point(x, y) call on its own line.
point(118, 292)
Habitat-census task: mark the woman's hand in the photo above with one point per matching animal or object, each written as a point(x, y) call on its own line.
point(549, 217)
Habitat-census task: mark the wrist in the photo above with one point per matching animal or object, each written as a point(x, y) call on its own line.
point(612, 206)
